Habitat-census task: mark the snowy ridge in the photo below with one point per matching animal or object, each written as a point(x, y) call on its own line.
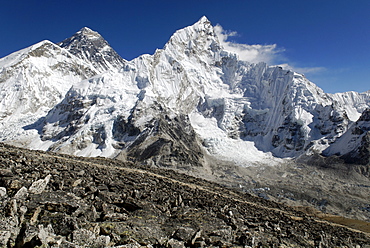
point(32, 81)
point(355, 143)
point(240, 112)
point(85, 117)
point(354, 103)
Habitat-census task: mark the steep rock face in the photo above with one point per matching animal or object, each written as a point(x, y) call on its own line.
point(90, 46)
point(168, 142)
point(280, 111)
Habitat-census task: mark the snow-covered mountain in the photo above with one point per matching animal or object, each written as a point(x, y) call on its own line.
point(32, 81)
point(89, 45)
point(354, 145)
point(189, 100)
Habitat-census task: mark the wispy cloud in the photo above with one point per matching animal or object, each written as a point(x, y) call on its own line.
point(303, 70)
point(270, 54)
point(251, 53)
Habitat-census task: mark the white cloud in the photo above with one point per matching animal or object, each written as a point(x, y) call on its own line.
point(303, 70)
point(269, 54)
point(251, 53)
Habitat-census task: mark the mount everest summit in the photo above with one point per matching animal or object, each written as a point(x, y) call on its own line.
point(187, 102)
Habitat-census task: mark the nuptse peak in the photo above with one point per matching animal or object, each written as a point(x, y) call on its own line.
point(188, 99)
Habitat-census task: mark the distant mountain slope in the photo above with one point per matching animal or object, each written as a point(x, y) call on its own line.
point(354, 145)
point(35, 79)
point(32, 81)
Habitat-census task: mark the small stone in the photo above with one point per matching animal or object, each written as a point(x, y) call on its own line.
point(15, 184)
point(21, 194)
point(39, 186)
point(4, 238)
point(46, 235)
point(130, 244)
point(83, 237)
point(184, 234)
point(173, 243)
point(23, 209)
point(77, 182)
point(81, 173)
point(2, 191)
point(115, 217)
point(91, 214)
point(29, 233)
point(197, 235)
point(35, 216)
point(102, 241)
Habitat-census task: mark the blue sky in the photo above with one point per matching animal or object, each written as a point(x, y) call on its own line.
point(326, 40)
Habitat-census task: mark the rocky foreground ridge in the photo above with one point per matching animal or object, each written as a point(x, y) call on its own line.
point(55, 200)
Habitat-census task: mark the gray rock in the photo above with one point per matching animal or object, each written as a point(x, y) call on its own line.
point(102, 241)
point(4, 238)
point(88, 238)
point(30, 234)
point(172, 243)
point(21, 194)
point(184, 234)
point(197, 235)
point(47, 236)
point(3, 192)
point(83, 237)
point(130, 244)
point(115, 217)
point(39, 186)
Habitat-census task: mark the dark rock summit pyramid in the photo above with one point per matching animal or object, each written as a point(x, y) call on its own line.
point(89, 45)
